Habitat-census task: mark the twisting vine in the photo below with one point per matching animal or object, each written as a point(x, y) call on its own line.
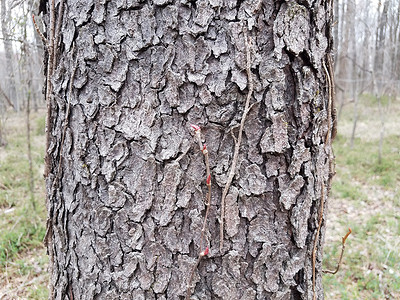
point(331, 134)
point(237, 140)
point(341, 255)
point(204, 150)
point(314, 251)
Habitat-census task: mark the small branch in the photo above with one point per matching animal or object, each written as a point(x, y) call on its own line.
point(329, 113)
point(341, 255)
point(44, 40)
point(238, 141)
point(28, 139)
point(8, 39)
point(14, 4)
point(314, 251)
point(6, 97)
point(208, 197)
point(354, 61)
point(204, 150)
point(201, 255)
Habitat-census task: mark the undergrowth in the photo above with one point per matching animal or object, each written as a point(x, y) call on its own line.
point(365, 197)
point(22, 227)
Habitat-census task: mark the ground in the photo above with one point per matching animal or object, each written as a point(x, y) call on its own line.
point(23, 260)
point(365, 197)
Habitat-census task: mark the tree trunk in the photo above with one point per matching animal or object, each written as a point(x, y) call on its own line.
point(397, 46)
point(126, 182)
point(10, 67)
point(342, 69)
point(380, 45)
point(37, 80)
point(366, 53)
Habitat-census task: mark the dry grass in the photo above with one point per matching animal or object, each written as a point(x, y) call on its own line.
point(25, 277)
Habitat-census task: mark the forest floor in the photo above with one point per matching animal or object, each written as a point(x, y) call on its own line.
point(365, 197)
point(23, 259)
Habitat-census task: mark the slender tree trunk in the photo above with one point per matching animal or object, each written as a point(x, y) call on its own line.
point(380, 46)
point(5, 97)
point(3, 141)
point(382, 129)
point(37, 80)
point(366, 68)
point(396, 51)
point(29, 149)
point(126, 185)
point(5, 20)
point(26, 83)
point(355, 114)
point(353, 74)
point(343, 60)
point(336, 31)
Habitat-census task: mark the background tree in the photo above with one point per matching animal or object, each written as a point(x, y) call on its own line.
point(18, 33)
point(8, 50)
point(372, 31)
point(125, 179)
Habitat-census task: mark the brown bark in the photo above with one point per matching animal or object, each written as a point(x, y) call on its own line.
point(126, 185)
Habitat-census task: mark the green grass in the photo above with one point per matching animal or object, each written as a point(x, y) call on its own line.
point(22, 228)
point(14, 167)
point(38, 293)
point(365, 197)
point(362, 161)
point(27, 231)
point(371, 262)
point(40, 125)
point(372, 101)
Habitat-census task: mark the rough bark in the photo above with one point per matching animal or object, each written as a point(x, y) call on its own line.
point(126, 186)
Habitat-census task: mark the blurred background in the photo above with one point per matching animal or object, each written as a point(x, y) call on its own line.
point(365, 194)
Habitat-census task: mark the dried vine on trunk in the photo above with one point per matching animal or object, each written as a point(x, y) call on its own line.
point(237, 140)
point(202, 253)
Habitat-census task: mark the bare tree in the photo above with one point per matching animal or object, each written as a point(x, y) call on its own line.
point(342, 64)
point(126, 181)
point(5, 30)
point(380, 44)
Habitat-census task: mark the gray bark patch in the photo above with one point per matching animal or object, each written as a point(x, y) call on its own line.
point(289, 189)
point(232, 215)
